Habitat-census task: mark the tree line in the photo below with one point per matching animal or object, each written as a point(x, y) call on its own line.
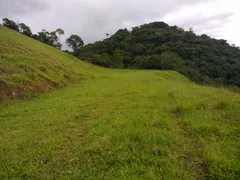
point(155, 45)
point(51, 38)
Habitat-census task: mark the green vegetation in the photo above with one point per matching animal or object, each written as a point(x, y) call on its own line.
point(75, 42)
point(50, 38)
point(160, 46)
point(28, 67)
point(157, 45)
point(112, 123)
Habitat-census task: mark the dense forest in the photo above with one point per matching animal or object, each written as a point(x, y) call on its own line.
point(160, 46)
point(156, 45)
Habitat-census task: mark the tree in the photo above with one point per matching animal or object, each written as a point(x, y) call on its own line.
point(43, 36)
point(191, 30)
point(10, 24)
point(59, 32)
point(49, 38)
point(53, 39)
point(171, 61)
point(35, 36)
point(118, 58)
point(24, 29)
point(57, 45)
point(75, 42)
point(160, 46)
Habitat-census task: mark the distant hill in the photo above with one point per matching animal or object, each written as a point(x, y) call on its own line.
point(160, 46)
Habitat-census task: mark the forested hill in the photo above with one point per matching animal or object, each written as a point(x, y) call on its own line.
point(160, 46)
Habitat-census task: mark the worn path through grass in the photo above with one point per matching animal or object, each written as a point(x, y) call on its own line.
point(123, 125)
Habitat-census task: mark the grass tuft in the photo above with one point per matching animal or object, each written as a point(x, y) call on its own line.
point(222, 105)
point(178, 112)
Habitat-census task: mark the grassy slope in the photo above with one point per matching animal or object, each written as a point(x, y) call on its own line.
point(28, 67)
point(121, 125)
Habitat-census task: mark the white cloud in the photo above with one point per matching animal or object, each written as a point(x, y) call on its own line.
point(92, 19)
point(217, 18)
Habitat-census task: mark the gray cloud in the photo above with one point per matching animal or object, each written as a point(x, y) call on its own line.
point(11, 8)
point(211, 25)
point(92, 19)
point(203, 21)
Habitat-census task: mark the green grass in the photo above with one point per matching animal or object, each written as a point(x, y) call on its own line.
point(29, 67)
point(119, 124)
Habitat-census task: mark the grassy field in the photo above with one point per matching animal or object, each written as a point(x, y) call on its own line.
point(112, 124)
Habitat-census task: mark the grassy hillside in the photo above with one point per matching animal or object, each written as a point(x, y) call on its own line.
point(28, 66)
point(114, 124)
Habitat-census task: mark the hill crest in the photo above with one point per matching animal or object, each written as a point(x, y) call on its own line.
point(157, 45)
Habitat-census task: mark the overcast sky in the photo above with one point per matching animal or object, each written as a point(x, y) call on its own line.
point(92, 19)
